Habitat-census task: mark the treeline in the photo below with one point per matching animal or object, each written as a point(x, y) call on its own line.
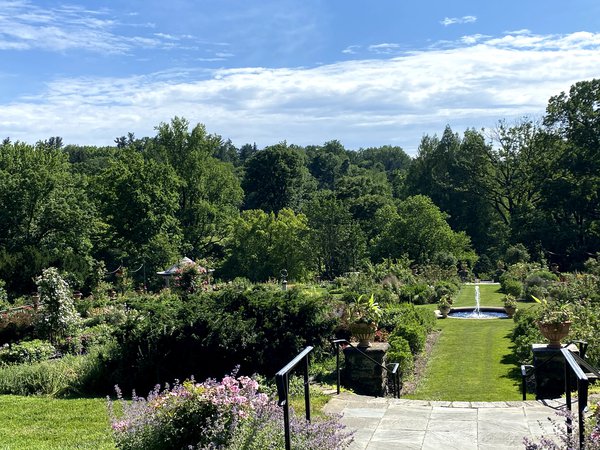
point(469, 201)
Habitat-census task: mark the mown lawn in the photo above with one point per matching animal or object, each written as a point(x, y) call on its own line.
point(47, 423)
point(489, 295)
point(472, 359)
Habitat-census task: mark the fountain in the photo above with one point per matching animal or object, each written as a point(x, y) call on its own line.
point(486, 312)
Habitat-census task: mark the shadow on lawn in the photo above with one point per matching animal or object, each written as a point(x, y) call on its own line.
point(514, 373)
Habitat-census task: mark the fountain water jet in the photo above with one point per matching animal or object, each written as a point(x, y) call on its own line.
point(478, 312)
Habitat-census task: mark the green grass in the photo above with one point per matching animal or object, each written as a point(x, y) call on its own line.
point(472, 359)
point(47, 423)
point(489, 295)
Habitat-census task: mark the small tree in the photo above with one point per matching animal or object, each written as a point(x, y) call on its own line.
point(57, 316)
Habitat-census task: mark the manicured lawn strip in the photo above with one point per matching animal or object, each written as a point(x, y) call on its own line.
point(489, 295)
point(47, 423)
point(471, 361)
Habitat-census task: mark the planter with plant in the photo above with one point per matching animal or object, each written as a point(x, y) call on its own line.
point(510, 305)
point(445, 305)
point(363, 317)
point(554, 320)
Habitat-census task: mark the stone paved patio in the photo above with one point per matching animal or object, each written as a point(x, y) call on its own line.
point(387, 423)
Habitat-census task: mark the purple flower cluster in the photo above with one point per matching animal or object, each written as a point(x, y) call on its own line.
point(569, 441)
point(226, 414)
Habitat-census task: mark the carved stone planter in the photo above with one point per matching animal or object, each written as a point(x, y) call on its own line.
point(363, 332)
point(554, 332)
point(510, 311)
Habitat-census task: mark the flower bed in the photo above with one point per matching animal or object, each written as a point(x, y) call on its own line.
point(230, 414)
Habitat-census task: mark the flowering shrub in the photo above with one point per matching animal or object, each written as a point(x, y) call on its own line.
point(564, 441)
point(190, 278)
point(230, 414)
point(57, 314)
point(26, 352)
point(16, 324)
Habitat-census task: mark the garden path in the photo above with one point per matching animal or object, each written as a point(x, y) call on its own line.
point(388, 423)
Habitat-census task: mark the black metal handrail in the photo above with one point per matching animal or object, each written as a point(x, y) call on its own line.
point(391, 369)
point(282, 380)
point(527, 370)
point(573, 363)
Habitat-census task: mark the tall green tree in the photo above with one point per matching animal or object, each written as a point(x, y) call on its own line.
point(45, 216)
point(327, 163)
point(263, 244)
point(572, 194)
point(276, 178)
point(417, 228)
point(209, 191)
point(138, 199)
point(454, 173)
point(338, 242)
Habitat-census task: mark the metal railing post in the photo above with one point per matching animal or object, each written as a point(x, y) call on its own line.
point(568, 397)
point(306, 392)
point(574, 363)
point(582, 398)
point(286, 415)
point(337, 366)
point(282, 380)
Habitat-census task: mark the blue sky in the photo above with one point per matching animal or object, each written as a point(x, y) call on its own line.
point(367, 73)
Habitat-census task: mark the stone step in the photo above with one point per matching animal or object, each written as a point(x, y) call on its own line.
point(388, 423)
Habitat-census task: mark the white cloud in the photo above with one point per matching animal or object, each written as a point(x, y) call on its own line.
point(458, 20)
point(360, 102)
point(473, 38)
point(385, 48)
point(25, 26)
point(351, 49)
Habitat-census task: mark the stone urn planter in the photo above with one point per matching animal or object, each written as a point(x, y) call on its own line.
point(445, 305)
point(362, 317)
point(444, 311)
point(364, 333)
point(554, 332)
point(554, 320)
point(510, 311)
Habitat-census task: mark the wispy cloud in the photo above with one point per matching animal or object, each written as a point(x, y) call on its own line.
point(26, 26)
point(351, 49)
point(458, 20)
point(385, 48)
point(360, 102)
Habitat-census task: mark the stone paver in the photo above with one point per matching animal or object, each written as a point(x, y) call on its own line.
point(386, 423)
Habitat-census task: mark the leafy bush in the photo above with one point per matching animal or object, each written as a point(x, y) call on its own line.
point(399, 352)
point(17, 324)
point(538, 283)
point(524, 334)
point(512, 287)
point(444, 288)
point(70, 375)
point(4, 304)
point(418, 293)
point(406, 313)
point(26, 352)
point(516, 254)
point(414, 333)
point(258, 328)
point(408, 327)
point(426, 318)
point(483, 267)
point(229, 414)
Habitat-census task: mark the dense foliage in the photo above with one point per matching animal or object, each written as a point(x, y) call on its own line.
point(320, 210)
point(576, 294)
